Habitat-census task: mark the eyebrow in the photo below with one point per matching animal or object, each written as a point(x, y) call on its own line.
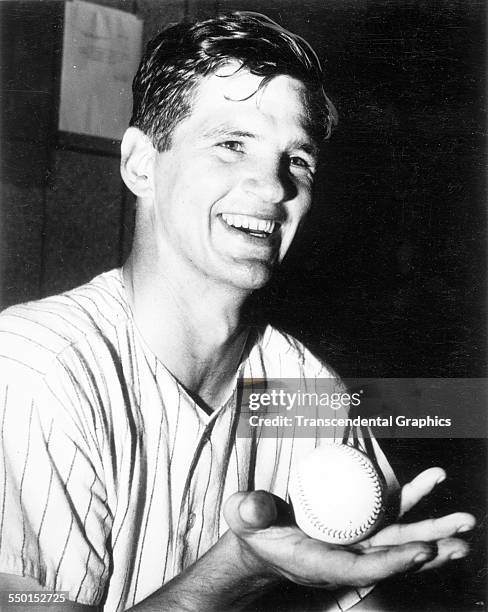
point(226, 130)
point(306, 145)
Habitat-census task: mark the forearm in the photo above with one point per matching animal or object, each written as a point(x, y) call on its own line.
point(226, 578)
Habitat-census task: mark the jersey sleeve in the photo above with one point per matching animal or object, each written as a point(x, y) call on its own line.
point(55, 521)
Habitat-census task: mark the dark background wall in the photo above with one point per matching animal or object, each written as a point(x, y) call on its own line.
point(389, 275)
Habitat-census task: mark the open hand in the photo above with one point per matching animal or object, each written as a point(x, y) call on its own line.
point(269, 538)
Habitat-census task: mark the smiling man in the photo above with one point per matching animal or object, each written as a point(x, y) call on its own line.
point(125, 484)
point(218, 210)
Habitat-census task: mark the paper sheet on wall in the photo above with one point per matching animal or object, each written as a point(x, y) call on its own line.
point(101, 51)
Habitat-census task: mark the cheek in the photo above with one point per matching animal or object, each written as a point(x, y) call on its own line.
point(297, 211)
point(299, 208)
point(212, 182)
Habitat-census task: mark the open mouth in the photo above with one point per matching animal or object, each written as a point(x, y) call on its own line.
point(260, 228)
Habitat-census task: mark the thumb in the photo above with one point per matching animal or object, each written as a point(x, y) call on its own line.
point(250, 511)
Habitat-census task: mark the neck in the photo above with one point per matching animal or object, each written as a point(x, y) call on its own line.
point(192, 326)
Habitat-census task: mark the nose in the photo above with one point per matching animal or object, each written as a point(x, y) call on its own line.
point(270, 182)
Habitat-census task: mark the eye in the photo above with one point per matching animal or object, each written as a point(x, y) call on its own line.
point(301, 163)
point(298, 161)
point(232, 145)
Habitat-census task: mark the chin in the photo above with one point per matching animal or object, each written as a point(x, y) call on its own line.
point(252, 277)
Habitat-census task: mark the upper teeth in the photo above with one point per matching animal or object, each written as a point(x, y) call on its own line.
point(251, 223)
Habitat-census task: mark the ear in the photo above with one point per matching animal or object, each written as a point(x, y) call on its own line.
point(136, 166)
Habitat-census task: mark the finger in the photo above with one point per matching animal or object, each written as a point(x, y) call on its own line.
point(449, 549)
point(426, 531)
point(419, 487)
point(352, 569)
point(248, 511)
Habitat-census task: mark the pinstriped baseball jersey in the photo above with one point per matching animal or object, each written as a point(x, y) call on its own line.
point(112, 478)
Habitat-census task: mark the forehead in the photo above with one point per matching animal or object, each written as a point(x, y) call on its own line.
point(233, 94)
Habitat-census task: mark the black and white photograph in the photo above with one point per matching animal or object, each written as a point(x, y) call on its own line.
point(243, 306)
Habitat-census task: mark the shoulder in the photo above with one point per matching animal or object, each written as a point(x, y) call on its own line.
point(35, 334)
point(287, 357)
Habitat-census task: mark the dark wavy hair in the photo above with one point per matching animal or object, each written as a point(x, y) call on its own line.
point(178, 58)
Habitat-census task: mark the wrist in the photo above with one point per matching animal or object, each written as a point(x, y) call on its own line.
point(250, 565)
point(253, 578)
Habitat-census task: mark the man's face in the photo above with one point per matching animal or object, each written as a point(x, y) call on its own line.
point(233, 188)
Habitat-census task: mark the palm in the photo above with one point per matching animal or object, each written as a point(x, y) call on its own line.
point(282, 546)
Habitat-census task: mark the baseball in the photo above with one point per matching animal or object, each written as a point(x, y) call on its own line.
point(337, 494)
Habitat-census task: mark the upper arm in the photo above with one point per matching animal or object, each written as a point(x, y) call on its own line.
point(54, 514)
point(10, 584)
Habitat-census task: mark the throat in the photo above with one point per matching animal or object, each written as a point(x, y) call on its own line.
point(195, 332)
point(209, 376)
